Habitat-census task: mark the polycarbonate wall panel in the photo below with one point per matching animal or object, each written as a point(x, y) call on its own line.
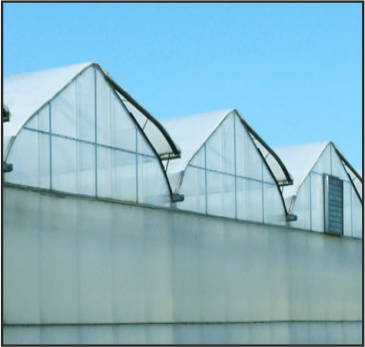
point(194, 190)
point(267, 176)
point(123, 134)
point(40, 121)
point(103, 110)
point(329, 163)
point(310, 201)
point(249, 200)
point(220, 194)
point(356, 215)
point(117, 177)
point(85, 168)
point(234, 174)
point(85, 106)
point(151, 188)
point(240, 147)
point(323, 164)
point(63, 112)
point(74, 172)
point(273, 211)
point(347, 210)
point(85, 142)
point(220, 147)
point(199, 158)
point(302, 208)
point(30, 159)
point(338, 170)
point(248, 160)
point(123, 172)
point(64, 164)
point(273, 202)
point(143, 146)
point(317, 202)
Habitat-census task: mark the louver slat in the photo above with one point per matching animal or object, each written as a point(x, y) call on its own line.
point(334, 205)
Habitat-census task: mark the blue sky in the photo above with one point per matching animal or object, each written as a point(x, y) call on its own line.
point(293, 70)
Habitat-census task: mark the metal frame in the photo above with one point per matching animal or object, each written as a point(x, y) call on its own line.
point(95, 142)
point(114, 85)
point(96, 132)
point(346, 163)
point(292, 202)
point(125, 94)
point(231, 174)
point(89, 142)
point(234, 175)
point(253, 135)
point(289, 179)
point(343, 161)
point(50, 144)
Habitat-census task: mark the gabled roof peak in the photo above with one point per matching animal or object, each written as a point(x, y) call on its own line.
point(26, 93)
point(191, 132)
point(301, 159)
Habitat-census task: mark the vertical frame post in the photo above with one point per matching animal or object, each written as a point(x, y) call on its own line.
point(235, 166)
point(310, 200)
point(135, 129)
point(205, 172)
point(263, 193)
point(96, 133)
point(50, 144)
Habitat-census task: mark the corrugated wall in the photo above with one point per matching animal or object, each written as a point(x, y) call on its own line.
point(70, 260)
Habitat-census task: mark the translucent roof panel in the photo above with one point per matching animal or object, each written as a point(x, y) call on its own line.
point(302, 159)
point(84, 141)
point(355, 175)
point(311, 164)
point(191, 132)
point(6, 141)
point(299, 160)
point(159, 137)
point(26, 93)
point(156, 133)
point(228, 177)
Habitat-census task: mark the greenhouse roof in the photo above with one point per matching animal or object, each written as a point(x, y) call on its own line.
point(191, 132)
point(25, 93)
point(300, 159)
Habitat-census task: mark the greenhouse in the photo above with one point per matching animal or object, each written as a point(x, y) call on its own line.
point(73, 131)
point(121, 228)
point(318, 168)
point(222, 170)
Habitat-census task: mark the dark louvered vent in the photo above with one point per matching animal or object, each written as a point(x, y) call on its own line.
point(333, 205)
